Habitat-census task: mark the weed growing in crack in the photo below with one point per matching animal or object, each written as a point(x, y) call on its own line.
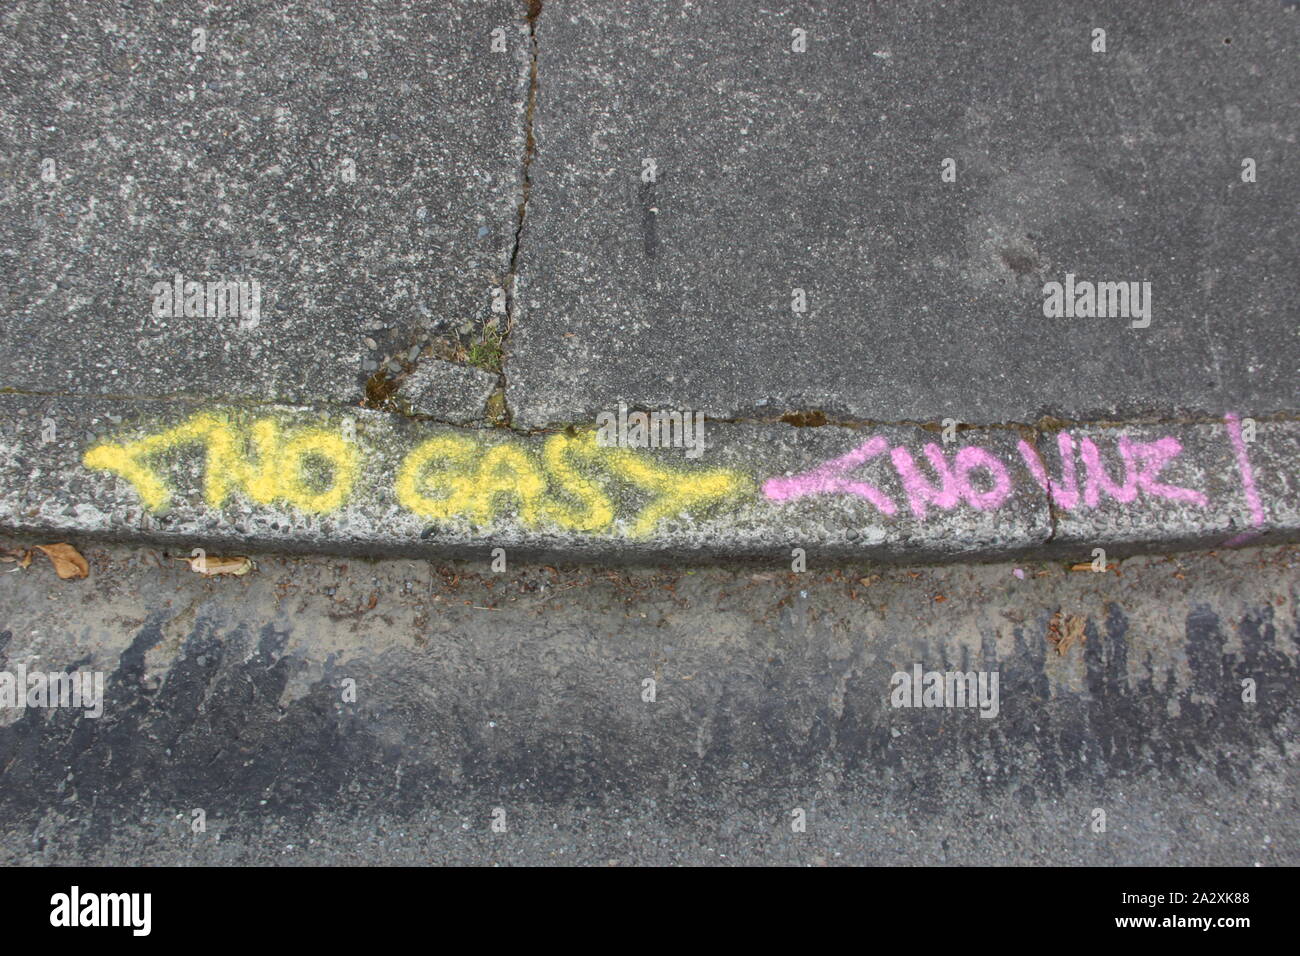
point(486, 353)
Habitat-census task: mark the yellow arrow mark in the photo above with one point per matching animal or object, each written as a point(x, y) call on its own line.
point(274, 472)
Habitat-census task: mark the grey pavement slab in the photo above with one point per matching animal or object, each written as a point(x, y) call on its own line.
point(448, 392)
point(360, 161)
point(693, 170)
point(366, 482)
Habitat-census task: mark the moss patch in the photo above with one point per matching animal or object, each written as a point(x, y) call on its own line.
point(496, 410)
point(380, 389)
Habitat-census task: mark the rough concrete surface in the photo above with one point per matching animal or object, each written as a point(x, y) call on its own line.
point(524, 691)
point(252, 252)
point(368, 482)
point(821, 171)
point(631, 196)
point(448, 392)
point(232, 164)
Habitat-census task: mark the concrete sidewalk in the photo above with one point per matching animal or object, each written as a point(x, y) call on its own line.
point(942, 281)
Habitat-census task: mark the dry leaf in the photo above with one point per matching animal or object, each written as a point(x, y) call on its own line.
point(1054, 629)
point(1087, 566)
point(210, 565)
point(19, 556)
point(1074, 633)
point(67, 560)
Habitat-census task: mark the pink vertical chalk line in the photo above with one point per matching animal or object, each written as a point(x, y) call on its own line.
point(1257, 515)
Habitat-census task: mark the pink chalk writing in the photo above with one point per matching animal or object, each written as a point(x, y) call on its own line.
point(919, 490)
point(953, 483)
point(1065, 493)
point(1257, 515)
point(972, 457)
point(1153, 456)
point(827, 479)
point(1097, 480)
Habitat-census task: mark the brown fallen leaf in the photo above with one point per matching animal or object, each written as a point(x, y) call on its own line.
point(210, 565)
point(67, 560)
point(1054, 629)
point(19, 556)
point(1074, 633)
point(1087, 566)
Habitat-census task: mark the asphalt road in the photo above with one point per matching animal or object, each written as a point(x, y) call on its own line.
point(520, 697)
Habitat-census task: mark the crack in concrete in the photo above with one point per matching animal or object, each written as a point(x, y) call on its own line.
point(1048, 500)
point(1047, 424)
point(1044, 426)
point(526, 188)
point(383, 386)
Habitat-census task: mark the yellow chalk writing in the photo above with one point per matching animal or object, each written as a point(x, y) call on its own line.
point(594, 511)
point(675, 491)
point(443, 465)
point(564, 483)
point(261, 462)
point(507, 475)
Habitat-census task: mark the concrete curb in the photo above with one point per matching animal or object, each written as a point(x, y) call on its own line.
point(233, 478)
